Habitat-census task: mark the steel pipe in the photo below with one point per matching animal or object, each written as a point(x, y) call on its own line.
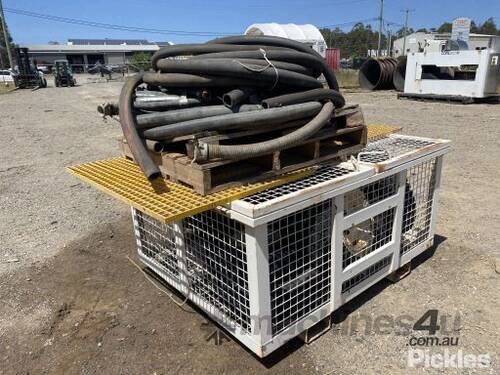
point(305, 96)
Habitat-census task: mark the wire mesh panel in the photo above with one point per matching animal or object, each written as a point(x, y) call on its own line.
point(419, 192)
point(216, 264)
point(367, 195)
point(366, 237)
point(386, 148)
point(299, 263)
point(157, 243)
point(372, 271)
point(323, 174)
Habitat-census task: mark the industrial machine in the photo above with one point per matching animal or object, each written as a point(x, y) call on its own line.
point(63, 76)
point(28, 75)
point(449, 70)
point(101, 69)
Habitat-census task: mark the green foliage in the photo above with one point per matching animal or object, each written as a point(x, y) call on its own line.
point(488, 27)
point(445, 28)
point(141, 60)
point(4, 60)
point(354, 43)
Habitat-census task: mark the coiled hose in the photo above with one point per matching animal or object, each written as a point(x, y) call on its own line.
point(228, 83)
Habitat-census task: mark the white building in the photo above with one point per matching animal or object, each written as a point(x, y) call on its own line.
point(83, 53)
point(308, 34)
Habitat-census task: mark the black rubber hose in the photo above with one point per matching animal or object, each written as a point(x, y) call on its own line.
point(232, 68)
point(280, 65)
point(191, 81)
point(305, 96)
point(198, 49)
point(150, 120)
point(284, 56)
point(282, 70)
point(234, 98)
point(208, 151)
point(127, 121)
point(284, 43)
point(235, 121)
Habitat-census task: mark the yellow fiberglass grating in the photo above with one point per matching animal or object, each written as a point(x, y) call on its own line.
point(376, 131)
point(164, 200)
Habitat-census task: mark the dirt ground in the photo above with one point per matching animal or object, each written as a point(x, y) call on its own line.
point(73, 304)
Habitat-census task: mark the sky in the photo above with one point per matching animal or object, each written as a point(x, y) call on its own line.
point(224, 16)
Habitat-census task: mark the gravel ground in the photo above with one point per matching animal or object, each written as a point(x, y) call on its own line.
point(72, 303)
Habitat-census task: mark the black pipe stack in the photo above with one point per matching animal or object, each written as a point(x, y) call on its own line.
point(377, 73)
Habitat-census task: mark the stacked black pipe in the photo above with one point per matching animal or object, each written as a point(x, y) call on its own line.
point(377, 73)
point(230, 83)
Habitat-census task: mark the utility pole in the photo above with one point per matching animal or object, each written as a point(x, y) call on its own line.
point(1, 58)
point(380, 21)
point(7, 44)
point(389, 40)
point(407, 12)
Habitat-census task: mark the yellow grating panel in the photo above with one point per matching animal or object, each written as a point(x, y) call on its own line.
point(164, 200)
point(376, 131)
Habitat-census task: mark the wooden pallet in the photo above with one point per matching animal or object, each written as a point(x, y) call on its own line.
point(346, 137)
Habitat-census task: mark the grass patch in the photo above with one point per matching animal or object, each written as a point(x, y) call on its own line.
point(347, 78)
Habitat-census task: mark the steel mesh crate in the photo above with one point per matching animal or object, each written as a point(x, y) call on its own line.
point(269, 266)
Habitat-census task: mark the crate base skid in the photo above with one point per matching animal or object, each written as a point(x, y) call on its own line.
point(450, 98)
point(346, 136)
point(276, 264)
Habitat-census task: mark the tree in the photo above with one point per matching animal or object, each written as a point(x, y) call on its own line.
point(488, 27)
point(141, 60)
point(445, 28)
point(401, 32)
point(4, 59)
point(354, 43)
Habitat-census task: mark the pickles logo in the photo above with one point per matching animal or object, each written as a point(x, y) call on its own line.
point(447, 359)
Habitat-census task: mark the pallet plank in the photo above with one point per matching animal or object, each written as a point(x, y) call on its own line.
point(346, 136)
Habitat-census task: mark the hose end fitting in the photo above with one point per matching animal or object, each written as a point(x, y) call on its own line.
point(200, 152)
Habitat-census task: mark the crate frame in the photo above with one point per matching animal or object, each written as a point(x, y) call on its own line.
point(256, 218)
